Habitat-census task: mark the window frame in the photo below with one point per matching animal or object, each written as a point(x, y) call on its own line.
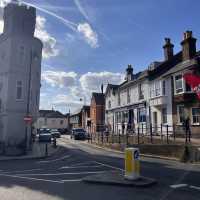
point(175, 84)
point(164, 116)
point(143, 117)
point(17, 87)
point(192, 116)
point(178, 114)
point(141, 91)
point(128, 96)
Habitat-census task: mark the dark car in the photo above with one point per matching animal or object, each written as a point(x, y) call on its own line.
point(44, 135)
point(63, 131)
point(55, 133)
point(78, 134)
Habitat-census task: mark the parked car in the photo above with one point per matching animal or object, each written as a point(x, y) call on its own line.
point(55, 133)
point(63, 131)
point(78, 134)
point(45, 135)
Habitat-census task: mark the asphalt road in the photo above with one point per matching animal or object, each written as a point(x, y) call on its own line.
point(59, 177)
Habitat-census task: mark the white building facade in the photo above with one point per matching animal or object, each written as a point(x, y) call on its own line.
point(51, 119)
point(127, 104)
point(20, 75)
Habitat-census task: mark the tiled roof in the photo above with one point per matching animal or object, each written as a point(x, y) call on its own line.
point(99, 98)
point(51, 114)
point(183, 65)
point(165, 66)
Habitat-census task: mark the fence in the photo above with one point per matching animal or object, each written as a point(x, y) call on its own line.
point(144, 134)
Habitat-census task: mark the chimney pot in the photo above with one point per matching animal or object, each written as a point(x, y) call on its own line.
point(168, 49)
point(188, 45)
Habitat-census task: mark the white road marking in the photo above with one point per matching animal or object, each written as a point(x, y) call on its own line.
point(82, 163)
point(67, 173)
point(195, 187)
point(32, 179)
point(110, 166)
point(72, 180)
point(58, 159)
point(28, 170)
point(74, 167)
point(178, 186)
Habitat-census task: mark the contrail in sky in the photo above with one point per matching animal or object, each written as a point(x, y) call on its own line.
point(81, 9)
point(66, 22)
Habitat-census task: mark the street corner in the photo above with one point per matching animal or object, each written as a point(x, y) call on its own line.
point(118, 179)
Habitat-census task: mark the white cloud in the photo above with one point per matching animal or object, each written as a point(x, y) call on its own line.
point(88, 34)
point(91, 81)
point(3, 3)
point(75, 87)
point(1, 26)
point(49, 42)
point(66, 100)
point(59, 78)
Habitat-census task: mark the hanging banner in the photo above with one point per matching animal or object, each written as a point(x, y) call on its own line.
point(193, 81)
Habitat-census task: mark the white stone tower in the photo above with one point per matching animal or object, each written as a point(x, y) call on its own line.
point(20, 76)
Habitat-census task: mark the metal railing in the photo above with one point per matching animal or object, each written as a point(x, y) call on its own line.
point(144, 134)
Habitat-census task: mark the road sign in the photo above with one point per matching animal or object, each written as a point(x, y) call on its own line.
point(28, 119)
point(136, 155)
point(132, 163)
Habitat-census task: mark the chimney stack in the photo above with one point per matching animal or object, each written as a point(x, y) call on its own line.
point(129, 73)
point(188, 46)
point(168, 49)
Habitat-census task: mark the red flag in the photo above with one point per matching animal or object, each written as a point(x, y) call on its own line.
point(193, 81)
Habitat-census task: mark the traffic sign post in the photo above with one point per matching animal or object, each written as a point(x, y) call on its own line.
point(28, 119)
point(132, 163)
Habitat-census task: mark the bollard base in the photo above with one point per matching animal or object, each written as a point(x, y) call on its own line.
point(117, 178)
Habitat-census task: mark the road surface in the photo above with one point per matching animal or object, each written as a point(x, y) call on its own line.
point(59, 177)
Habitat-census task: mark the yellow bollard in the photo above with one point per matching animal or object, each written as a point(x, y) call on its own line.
point(132, 163)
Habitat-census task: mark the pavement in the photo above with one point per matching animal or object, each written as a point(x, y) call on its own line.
point(60, 176)
point(38, 151)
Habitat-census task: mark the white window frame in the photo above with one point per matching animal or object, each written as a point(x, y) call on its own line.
point(178, 114)
point(158, 83)
point(21, 99)
point(198, 123)
point(141, 91)
point(163, 87)
point(175, 89)
point(128, 96)
point(183, 85)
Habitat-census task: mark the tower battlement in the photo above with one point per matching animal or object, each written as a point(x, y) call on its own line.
point(19, 19)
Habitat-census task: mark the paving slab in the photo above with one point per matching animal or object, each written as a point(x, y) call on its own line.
point(117, 178)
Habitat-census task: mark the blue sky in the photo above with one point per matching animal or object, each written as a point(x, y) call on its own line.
point(100, 38)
